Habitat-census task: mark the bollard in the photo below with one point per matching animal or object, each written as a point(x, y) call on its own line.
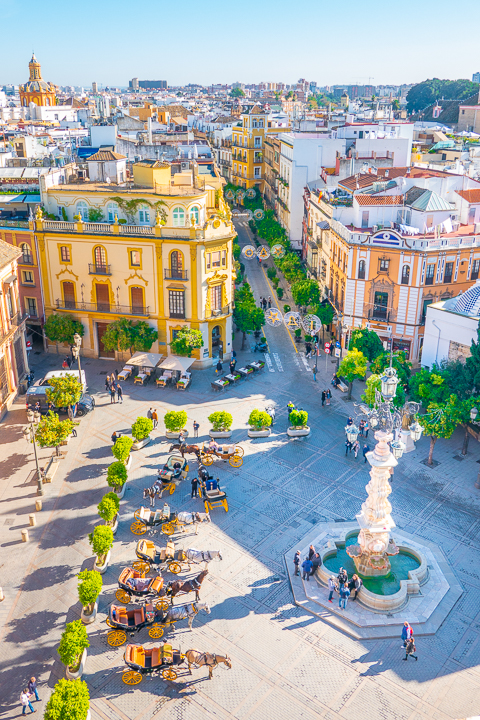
point(38, 505)
point(24, 535)
point(32, 519)
point(2, 596)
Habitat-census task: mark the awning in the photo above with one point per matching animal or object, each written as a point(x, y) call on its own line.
point(175, 362)
point(323, 225)
point(144, 359)
point(10, 279)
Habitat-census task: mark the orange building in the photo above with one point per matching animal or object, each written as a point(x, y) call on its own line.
point(37, 90)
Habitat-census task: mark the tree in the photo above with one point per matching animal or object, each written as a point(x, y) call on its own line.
point(64, 391)
point(298, 418)
point(52, 432)
point(248, 318)
point(108, 507)
point(141, 428)
point(117, 475)
point(221, 421)
point(72, 644)
point(143, 336)
point(101, 540)
point(426, 93)
point(306, 292)
point(457, 377)
point(70, 700)
point(121, 448)
point(325, 314)
point(396, 104)
point(428, 386)
point(368, 342)
point(259, 420)
point(124, 334)
point(440, 421)
point(399, 362)
point(186, 340)
point(89, 588)
point(175, 420)
point(131, 207)
point(61, 328)
point(237, 93)
point(353, 365)
point(95, 215)
point(374, 383)
point(472, 364)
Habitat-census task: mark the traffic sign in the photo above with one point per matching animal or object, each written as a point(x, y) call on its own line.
point(337, 344)
point(327, 345)
point(337, 352)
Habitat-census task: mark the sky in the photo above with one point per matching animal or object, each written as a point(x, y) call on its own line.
point(349, 42)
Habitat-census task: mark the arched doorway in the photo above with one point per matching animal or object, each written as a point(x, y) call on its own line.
point(217, 344)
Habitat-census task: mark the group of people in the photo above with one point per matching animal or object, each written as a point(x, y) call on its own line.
point(232, 366)
point(344, 587)
point(152, 415)
point(326, 397)
point(67, 362)
point(265, 302)
point(310, 564)
point(113, 388)
point(354, 447)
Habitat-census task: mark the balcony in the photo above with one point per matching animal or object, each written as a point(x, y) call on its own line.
point(176, 274)
point(447, 278)
point(99, 269)
point(379, 313)
point(220, 311)
point(429, 280)
point(179, 314)
point(103, 308)
point(26, 260)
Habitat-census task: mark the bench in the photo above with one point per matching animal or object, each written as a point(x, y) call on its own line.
point(51, 469)
point(341, 386)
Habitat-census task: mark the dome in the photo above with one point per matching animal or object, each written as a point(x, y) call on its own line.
point(468, 303)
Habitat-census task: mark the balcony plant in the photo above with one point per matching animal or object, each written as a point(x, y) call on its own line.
point(175, 421)
point(141, 429)
point(259, 422)
point(89, 588)
point(101, 540)
point(117, 477)
point(221, 424)
point(73, 649)
point(121, 449)
point(70, 700)
point(108, 508)
point(298, 424)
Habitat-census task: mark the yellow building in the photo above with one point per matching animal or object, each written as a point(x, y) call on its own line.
point(37, 90)
point(160, 251)
point(247, 149)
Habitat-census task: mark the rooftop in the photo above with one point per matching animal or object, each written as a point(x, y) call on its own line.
point(8, 253)
point(471, 196)
point(379, 199)
point(130, 189)
point(105, 156)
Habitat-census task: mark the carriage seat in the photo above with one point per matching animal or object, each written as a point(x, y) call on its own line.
point(147, 547)
point(167, 653)
point(215, 494)
point(145, 514)
point(156, 584)
point(127, 574)
point(135, 654)
point(139, 584)
point(228, 449)
point(156, 657)
point(174, 459)
point(170, 549)
point(138, 616)
point(119, 614)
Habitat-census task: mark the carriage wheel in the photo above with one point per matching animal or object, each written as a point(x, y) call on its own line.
point(156, 631)
point(109, 623)
point(131, 677)
point(162, 605)
point(236, 461)
point(141, 566)
point(207, 460)
point(239, 450)
point(115, 638)
point(169, 674)
point(175, 568)
point(136, 514)
point(122, 596)
point(168, 528)
point(172, 488)
point(138, 528)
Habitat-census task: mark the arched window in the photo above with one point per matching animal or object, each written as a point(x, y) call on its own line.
point(24, 102)
point(82, 210)
point(361, 270)
point(405, 275)
point(176, 264)
point(112, 211)
point(100, 259)
point(195, 215)
point(178, 217)
point(144, 215)
point(27, 254)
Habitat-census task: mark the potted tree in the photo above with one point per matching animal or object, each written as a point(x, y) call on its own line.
point(101, 540)
point(298, 424)
point(259, 422)
point(89, 588)
point(221, 424)
point(141, 429)
point(108, 508)
point(117, 477)
point(70, 699)
point(73, 649)
point(121, 450)
point(175, 421)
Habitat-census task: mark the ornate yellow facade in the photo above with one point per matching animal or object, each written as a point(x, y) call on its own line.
point(37, 90)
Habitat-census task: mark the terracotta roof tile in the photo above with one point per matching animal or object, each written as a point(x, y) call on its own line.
point(379, 199)
point(105, 156)
point(471, 196)
point(8, 253)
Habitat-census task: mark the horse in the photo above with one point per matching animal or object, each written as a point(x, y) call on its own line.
point(181, 612)
point(206, 556)
point(177, 586)
point(211, 660)
point(185, 449)
point(188, 518)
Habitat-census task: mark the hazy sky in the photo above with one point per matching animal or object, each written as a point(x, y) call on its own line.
point(373, 41)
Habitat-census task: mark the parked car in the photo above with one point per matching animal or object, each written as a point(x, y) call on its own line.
point(38, 394)
point(63, 373)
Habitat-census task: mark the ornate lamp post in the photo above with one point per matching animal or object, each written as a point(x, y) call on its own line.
point(76, 354)
point(29, 434)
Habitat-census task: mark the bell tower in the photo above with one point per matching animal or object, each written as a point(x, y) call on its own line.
point(35, 69)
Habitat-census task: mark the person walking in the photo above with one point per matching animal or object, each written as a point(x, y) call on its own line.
point(112, 395)
point(366, 449)
point(296, 562)
point(328, 396)
point(196, 427)
point(269, 301)
point(354, 586)
point(232, 366)
point(361, 427)
point(308, 350)
point(410, 649)
point(366, 428)
point(323, 397)
point(332, 586)
point(407, 633)
point(264, 303)
point(69, 361)
point(344, 595)
point(107, 383)
point(314, 372)
point(65, 364)
point(119, 393)
point(307, 569)
point(32, 688)
point(194, 487)
point(25, 700)
point(348, 446)
point(154, 419)
point(219, 367)
point(316, 562)
point(149, 413)
point(260, 302)
point(356, 448)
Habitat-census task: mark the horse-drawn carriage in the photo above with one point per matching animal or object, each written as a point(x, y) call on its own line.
point(169, 521)
point(211, 494)
point(133, 583)
point(134, 619)
point(143, 661)
point(148, 554)
point(232, 453)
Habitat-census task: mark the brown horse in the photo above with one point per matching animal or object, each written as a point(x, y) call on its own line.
point(178, 587)
point(195, 657)
point(186, 449)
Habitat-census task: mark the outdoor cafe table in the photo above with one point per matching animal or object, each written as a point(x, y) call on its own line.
point(232, 378)
point(125, 374)
point(245, 371)
point(220, 384)
point(256, 365)
point(141, 377)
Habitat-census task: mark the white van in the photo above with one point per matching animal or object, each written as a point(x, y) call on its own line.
point(63, 373)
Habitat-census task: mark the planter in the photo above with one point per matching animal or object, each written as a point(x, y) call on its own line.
point(78, 674)
point(140, 444)
point(115, 523)
point(102, 568)
point(220, 433)
point(174, 435)
point(129, 461)
point(89, 715)
point(120, 492)
point(298, 432)
point(259, 433)
point(87, 619)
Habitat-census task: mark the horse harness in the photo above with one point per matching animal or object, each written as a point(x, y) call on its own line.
point(209, 659)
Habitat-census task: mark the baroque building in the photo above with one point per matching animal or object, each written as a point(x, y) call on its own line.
point(37, 90)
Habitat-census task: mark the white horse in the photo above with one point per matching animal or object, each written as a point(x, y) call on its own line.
point(188, 518)
point(181, 612)
point(199, 556)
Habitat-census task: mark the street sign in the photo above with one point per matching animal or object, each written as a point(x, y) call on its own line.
point(337, 352)
point(337, 343)
point(327, 346)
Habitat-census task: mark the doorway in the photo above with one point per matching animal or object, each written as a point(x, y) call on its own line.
point(103, 297)
point(101, 329)
point(217, 344)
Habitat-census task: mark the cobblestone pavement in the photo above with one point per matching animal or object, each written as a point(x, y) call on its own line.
point(286, 663)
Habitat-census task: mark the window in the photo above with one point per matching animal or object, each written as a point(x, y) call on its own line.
point(258, 142)
point(235, 168)
point(383, 265)
point(361, 270)
point(176, 302)
point(475, 269)
point(68, 294)
point(178, 217)
point(32, 307)
point(65, 253)
point(448, 272)
point(27, 255)
point(216, 297)
point(100, 257)
point(112, 211)
point(135, 258)
point(144, 216)
point(176, 264)
point(380, 305)
point(430, 274)
point(245, 171)
point(195, 215)
point(258, 172)
point(216, 259)
point(426, 303)
point(82, 210)
point(405, 275)
point(27, 277)
point(224, 258)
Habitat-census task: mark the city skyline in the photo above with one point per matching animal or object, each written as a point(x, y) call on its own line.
point(251, 44)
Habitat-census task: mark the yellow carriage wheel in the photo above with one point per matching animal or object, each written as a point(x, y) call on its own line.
point(171, 488)
point(225, 505)
point(122, 596)
point(156, 631)
point(162, 605)
point(236, 461)
point(168, 528)
point(239, 450)
point(138, 528)
point(115, 638)
point(131, 677)
point(136, 514)
point(207, 460)
point(175, 568)
point(141, 566)
point(169, 674)
point(109, 623)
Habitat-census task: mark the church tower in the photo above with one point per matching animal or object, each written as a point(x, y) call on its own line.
point(37, 90)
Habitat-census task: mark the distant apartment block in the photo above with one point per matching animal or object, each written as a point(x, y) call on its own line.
point(135, 84)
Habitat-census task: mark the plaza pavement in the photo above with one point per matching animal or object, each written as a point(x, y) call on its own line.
point(287, 665)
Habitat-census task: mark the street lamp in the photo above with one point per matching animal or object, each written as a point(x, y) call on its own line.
point(352, 432)
point(29, 434)
point(415, 431)
point(398, 448)
point(473, 414)
point(389, 383)
point(76, 354)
